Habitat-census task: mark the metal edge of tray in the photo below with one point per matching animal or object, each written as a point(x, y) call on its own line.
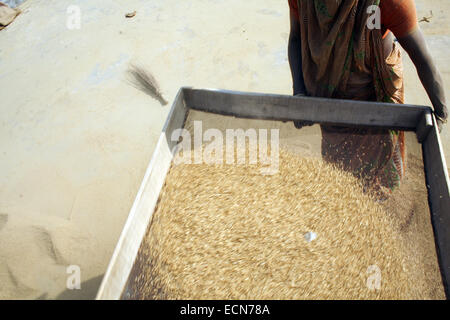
point(437, 180)
point(318, 110)
point(284, 108)
point(127, 247)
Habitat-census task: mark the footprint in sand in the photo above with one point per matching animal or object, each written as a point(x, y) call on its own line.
point(46, 243)
point(3, 220)
point(12, 287)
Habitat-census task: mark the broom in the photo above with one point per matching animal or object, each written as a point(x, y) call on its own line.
point(143, 80)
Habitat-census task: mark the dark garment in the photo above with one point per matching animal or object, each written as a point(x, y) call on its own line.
point(342, 58)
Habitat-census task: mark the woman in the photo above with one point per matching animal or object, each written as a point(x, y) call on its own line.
point(337, 51)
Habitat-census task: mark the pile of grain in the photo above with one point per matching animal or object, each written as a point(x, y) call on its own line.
point(228, 232)
point(409, 213)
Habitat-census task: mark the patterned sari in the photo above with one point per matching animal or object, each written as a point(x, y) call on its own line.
point(342, 58)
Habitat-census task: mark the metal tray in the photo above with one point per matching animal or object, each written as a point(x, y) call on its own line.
point(281, 107)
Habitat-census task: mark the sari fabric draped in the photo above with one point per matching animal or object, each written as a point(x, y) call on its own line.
point(343, 58)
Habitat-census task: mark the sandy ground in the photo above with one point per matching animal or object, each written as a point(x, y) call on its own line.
point(76, 137)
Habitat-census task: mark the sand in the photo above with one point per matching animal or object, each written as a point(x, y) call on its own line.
point(74, 148)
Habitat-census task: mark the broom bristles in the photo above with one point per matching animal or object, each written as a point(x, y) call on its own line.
point(146, 82)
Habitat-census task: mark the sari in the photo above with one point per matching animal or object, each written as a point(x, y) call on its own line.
point(343, 58)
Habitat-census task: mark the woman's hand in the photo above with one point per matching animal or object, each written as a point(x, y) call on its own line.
point(302, 123)
point(440, 122)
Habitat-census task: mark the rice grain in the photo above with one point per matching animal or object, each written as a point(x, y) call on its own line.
point(228, 232)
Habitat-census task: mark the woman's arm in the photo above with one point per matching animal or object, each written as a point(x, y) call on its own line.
point(429, 75)
point(295, 56)
point(295, 62)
